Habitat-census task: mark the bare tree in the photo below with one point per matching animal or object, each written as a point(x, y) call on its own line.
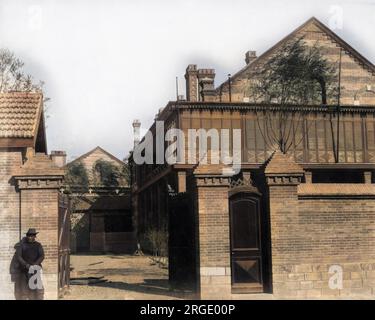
point(297, 74)
point(13, 77)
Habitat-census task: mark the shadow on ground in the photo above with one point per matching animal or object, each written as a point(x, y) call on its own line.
point(122, 277)
point(125, 271)
point(149, 286)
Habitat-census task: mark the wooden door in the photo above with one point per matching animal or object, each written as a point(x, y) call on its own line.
point(246, 246)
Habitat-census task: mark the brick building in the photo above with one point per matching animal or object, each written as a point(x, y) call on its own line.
point(101, 217)
point(29, 191)
point(285, 221)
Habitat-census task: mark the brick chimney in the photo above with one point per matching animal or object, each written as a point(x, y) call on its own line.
point(250, 56)
point(206, 80)
point(58, 158)
point(191, 77)
point(136, 131)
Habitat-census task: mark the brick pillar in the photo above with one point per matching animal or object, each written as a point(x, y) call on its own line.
point(283, 177)
point(10, 159)
point(214, 274)
point(39, 209)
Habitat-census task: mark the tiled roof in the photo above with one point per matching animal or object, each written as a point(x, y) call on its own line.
point(282, 163)
point(19, 114)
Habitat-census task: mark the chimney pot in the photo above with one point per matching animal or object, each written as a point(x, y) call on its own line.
point(136, 131)
point(250, 56)
point(58, 157)
point(191, 77)
point(206, 79)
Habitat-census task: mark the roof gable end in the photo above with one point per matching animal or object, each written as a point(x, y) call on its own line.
point(311, 25)
point(96, 149)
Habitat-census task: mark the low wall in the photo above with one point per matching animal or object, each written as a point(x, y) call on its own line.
point(322, 234)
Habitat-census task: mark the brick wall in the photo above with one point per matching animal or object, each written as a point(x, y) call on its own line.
point(311, 233)
point(25, 203)
point(9, 218)
point(310, 236)
point(39, 209)
point(213, 238)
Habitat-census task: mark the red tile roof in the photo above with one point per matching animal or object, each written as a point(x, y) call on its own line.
point(20, 114)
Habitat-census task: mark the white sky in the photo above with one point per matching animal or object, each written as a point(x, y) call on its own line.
point(107, 62)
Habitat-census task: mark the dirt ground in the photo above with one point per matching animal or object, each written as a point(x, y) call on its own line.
point(127, 277)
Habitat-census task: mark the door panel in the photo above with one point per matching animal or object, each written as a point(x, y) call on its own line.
point(245, 221)
point(246, 248)
point(247, 270)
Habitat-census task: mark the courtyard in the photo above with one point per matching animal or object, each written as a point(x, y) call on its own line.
point(120, 277)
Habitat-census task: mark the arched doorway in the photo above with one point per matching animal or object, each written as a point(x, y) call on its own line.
point(248, 265)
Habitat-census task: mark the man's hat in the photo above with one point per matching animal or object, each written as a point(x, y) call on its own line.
point(31, 231)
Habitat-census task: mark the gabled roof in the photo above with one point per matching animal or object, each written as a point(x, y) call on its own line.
point(94, 150)
point(311, 22)
point(21, 119)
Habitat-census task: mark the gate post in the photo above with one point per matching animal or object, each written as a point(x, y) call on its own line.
point(63, 244)
point(38, 183)
point(283, 177)
point(212, 215)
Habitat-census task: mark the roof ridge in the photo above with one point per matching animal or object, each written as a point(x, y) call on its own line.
point(93, 150)
point(21, 93)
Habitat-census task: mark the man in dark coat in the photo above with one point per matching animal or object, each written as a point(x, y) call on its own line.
point(30, 255)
